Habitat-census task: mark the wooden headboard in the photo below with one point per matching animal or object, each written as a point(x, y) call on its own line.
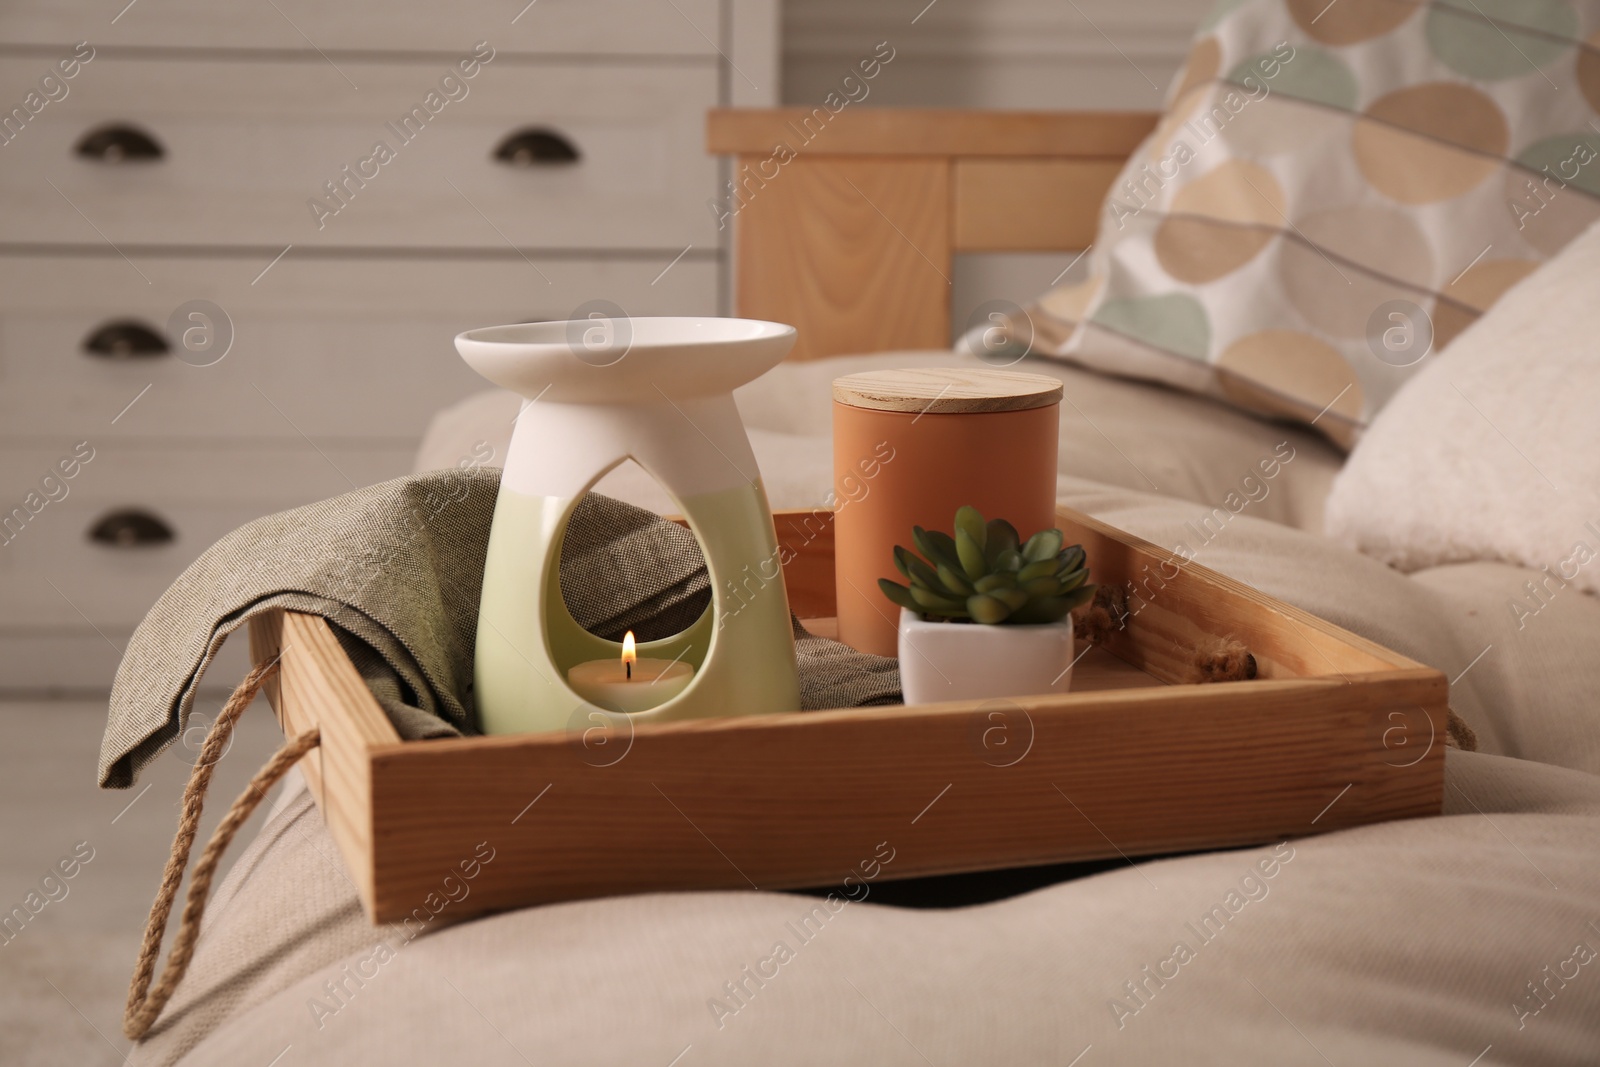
point(845, 224)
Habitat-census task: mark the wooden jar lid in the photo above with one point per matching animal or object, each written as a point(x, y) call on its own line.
point(947, 391)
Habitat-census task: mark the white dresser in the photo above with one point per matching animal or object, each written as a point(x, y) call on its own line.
point(339, 189)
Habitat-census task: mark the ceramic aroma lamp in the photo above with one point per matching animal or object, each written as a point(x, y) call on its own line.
point(658, 391)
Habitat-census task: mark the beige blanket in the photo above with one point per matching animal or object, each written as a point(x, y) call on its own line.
point(1428, 942)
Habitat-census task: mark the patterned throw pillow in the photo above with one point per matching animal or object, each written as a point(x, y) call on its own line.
point(1337, 189)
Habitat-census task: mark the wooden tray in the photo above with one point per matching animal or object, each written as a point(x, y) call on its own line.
point(1335, 732)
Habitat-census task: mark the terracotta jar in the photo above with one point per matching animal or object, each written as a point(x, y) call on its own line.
point(912, 446)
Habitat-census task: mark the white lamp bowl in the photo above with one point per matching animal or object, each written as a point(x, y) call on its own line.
point(622, 360)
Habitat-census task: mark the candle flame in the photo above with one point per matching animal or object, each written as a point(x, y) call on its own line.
point(629, 654)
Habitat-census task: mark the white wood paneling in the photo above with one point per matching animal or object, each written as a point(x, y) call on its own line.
point(249, 146)
point(560, 27)
point(753, 35)
point(55, 577)
point(325, 347)
point(995, 53)
point(342, 349)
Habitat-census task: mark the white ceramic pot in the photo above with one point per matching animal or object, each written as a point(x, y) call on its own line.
point(971, 661)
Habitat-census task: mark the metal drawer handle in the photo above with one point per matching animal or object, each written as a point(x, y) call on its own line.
point(119, 143)
point(126, 339)
point(536, 147)
point(131, 528)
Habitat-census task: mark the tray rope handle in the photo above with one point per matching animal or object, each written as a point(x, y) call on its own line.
point(144, 1000)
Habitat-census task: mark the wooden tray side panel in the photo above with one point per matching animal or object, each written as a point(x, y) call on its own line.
point(1338, 732)
point(266, 643)
point(318, 686)
point(1177, 604)
point(802, 799)
point(805, 547)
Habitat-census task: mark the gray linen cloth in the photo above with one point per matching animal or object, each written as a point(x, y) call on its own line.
point(396, 568)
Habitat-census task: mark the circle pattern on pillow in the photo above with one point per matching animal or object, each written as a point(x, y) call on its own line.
point(1194, 83)
point(1320, 163)
point(1547, 206)
point(1495, 39)
point(1314, 75)
point(1589, 70)
point(1071, 302)
point(1222, 10)
point(1430, 142)
point(1220, 222)
point(1283, 126)
point(1363, 256)
point(1174, 322)
point(1278, 125)
point(1268, 371)
point(1569, 158)
point(1205, 60)
point(1473, 293)
point(1349, 21)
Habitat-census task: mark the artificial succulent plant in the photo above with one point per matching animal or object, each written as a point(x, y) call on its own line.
point(984, 573)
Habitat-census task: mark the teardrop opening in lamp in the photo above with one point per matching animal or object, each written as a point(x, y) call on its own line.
point(661, 588)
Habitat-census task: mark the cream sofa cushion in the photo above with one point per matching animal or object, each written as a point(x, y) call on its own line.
point(1493, 451)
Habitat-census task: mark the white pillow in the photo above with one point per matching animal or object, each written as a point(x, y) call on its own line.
point(1492, 451)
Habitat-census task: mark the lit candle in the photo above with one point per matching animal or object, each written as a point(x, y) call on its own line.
point(629, 684)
